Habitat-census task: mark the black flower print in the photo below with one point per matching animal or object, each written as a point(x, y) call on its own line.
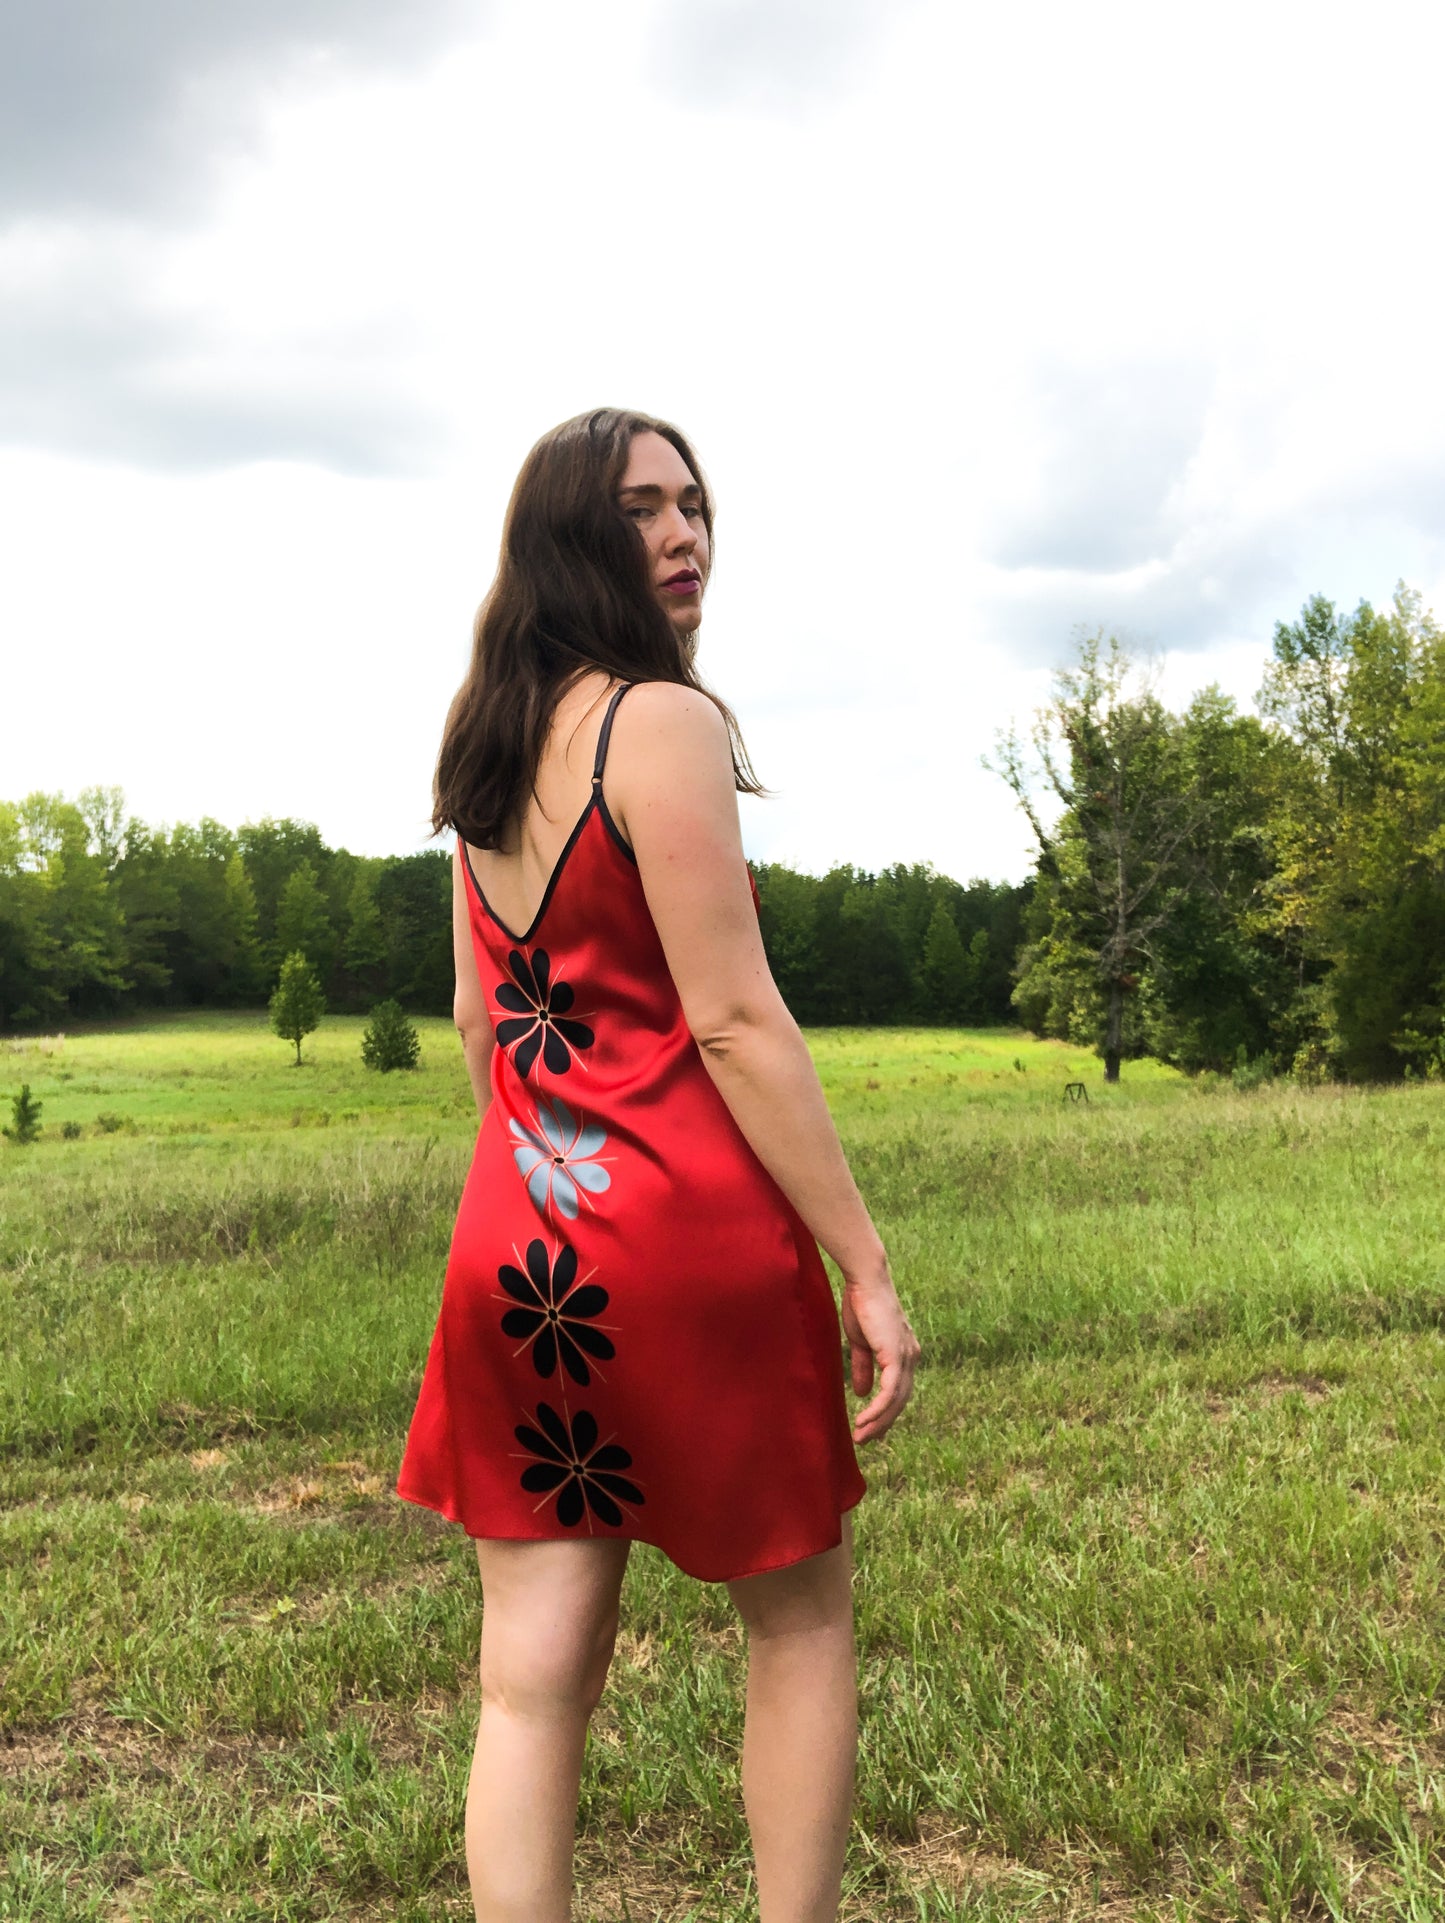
point(556, 1313)
point(571, 1464)
point(540, 1011)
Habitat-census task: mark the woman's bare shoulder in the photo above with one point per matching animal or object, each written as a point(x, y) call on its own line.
point(661, 720)
point(671, 759)
point(667, 698)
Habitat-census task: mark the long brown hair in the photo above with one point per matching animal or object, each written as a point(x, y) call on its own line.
point(573, 591)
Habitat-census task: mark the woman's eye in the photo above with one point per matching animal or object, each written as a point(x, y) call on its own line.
point(639, 510)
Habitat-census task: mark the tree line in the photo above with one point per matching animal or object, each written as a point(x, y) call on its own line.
point(1227, 890)
point(1222, 890)
point(101, 913)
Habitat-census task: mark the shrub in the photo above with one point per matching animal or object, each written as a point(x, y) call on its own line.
point(1311, 1064)
point(110, 1124)
point(25, 1110)
point(71, 1131)
point(1251, 1074)
point(390, 1040)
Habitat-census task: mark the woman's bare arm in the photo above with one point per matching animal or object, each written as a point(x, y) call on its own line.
point(670, 789)
point(469, 1004)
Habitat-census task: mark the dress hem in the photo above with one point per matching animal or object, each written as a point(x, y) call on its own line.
point(441, 1508)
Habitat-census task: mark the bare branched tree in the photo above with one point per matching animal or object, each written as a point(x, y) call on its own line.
point(1113, 756)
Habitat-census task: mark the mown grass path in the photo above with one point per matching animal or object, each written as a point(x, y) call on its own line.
point(1150, 1594)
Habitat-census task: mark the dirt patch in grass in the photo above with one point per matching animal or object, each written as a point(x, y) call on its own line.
point(181, 1422)
point(1350, 1738)
point(629, 1884)
point(351, 1492)
point(90, 1746)
point(1270, 1388)
point(943, 1855)
point(631, 1887)
point(1264, 1391)
point(401, 1736)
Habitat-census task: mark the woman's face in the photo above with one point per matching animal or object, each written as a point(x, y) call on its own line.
point(659, 494)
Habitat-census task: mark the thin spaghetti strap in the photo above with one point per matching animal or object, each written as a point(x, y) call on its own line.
point(606, 732)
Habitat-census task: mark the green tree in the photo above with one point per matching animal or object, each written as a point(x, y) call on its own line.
point(195, 870)
point(1058, 990)
point(157, 932)
point(297, 1004)
point(1358, 836)
point(990, 918)
point(1305, 684)
point(235, 935)
point(302, 922)
point(787, 911)
point(83, 926)
point(1114, 758)
point(414, 897)
point(27, 990)
point(947, 976)
point(271, 850)
point(25, 1113)
point(1221, 980)
point(364, 950)
point(103, 811)
point(909, 892)
point(849, 946)
point(869, 972)
point(979, 959)
point(1382, 909)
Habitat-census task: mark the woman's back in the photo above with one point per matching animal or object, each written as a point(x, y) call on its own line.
point(514, 878)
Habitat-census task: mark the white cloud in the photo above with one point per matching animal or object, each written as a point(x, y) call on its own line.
point(760, 55)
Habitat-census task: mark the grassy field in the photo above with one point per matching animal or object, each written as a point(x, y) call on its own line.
point(1150, 1593)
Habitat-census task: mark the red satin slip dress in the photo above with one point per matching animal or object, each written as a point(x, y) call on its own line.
point(637, 1336)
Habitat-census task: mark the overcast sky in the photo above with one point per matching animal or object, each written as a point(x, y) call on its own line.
point(987, 322)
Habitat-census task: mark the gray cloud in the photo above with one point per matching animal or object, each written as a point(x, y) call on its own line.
point(1112, 525)
point(771, 54)
point(125, 108)
point(88, 367)
point(113, 120)
point(1234, 582)
point(1100, 530)
point(1231, 577)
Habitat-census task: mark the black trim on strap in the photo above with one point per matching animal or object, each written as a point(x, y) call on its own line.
point(606, 732)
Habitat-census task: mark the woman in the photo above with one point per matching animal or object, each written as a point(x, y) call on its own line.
point(637, 1337)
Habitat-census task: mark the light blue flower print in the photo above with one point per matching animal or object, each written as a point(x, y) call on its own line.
point(559, 1157)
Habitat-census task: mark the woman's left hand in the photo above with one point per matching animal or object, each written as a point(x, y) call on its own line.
point(880, 1337)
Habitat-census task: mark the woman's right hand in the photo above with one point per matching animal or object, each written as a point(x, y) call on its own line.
point(879, 1337)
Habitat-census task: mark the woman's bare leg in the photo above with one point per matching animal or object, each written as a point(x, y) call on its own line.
point(801, 1739)
point(549, 1618)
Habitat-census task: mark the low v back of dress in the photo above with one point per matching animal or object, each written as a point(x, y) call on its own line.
point(475, 857)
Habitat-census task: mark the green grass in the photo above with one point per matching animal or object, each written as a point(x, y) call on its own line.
point(1149, 1590)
